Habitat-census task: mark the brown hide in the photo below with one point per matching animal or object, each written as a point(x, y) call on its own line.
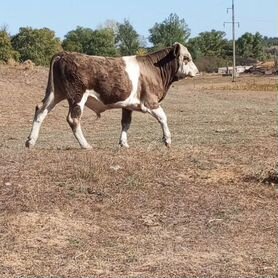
point(74, 73)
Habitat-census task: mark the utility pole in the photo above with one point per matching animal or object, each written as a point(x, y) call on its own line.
point(234, 39)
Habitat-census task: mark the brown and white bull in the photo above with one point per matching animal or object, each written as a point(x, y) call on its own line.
point(133, 83)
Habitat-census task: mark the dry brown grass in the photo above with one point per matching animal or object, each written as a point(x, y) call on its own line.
point(205, 208)
point(245, 82)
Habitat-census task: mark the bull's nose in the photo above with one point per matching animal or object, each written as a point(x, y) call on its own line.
point(193, 70)
point(196, 71)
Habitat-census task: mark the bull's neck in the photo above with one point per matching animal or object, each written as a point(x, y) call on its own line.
point(167, 66)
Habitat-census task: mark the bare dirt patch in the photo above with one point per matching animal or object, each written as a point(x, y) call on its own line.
point(204, 208)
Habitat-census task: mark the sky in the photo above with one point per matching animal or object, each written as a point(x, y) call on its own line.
point(63, 16)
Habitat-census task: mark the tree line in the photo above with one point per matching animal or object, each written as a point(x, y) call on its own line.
point(209, 49)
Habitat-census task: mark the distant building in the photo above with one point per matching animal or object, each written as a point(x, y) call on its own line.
point(229, 70)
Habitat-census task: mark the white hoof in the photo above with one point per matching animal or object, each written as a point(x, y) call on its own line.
point(168, 145)
point(124, 144)
point(167, 142)
point(86, 147)
point(30, 143)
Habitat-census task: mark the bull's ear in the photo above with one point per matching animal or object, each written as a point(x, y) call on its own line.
point(177, 49)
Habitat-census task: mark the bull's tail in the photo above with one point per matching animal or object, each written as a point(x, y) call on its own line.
point(50, 84)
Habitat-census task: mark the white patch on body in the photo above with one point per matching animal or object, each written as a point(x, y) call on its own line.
point(133, 72)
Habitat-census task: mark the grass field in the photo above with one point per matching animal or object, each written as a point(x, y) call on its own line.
point(207, 207)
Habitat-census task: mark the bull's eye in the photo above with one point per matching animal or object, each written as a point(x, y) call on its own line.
point(185, 60)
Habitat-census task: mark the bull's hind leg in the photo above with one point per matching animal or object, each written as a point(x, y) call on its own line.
point(126, 120)
point(160, 115)
point(42, 109)
point(74, 120)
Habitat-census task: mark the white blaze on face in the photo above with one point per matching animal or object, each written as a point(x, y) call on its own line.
point(187, 67)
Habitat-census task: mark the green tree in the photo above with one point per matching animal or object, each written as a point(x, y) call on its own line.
point(78, 40)
point(211, 43)
point(258, 46)
point(210, 50)
point(251, 46)
point(127, 39)
point(103, 43)
point(270, 41)
point(92, 42)
point(171, 30)
point(271, 47)
point(38, 45)
point(6, 50)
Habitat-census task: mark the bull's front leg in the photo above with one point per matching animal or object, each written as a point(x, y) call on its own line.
point(126, 120)
point(160, 115)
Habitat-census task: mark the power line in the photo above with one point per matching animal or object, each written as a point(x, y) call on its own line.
point(234, 41)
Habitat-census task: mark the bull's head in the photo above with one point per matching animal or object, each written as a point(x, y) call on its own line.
point(185, 63)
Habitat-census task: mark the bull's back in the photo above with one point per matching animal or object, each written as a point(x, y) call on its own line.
point(77, 73)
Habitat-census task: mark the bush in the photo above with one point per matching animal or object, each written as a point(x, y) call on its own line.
point(6, 50)
point(142, 51)
point(37, 45)
point(210, 63)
